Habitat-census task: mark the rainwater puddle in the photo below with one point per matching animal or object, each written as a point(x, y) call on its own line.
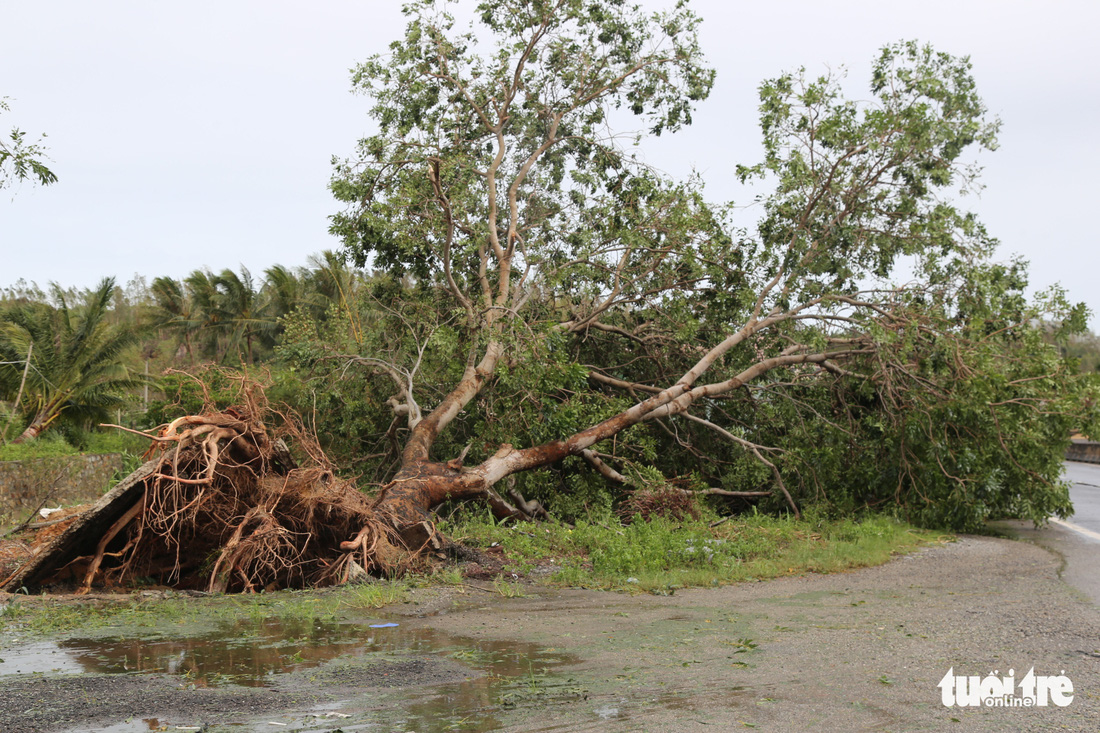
point(254, 655)
point(247, 655)
point(361, 678)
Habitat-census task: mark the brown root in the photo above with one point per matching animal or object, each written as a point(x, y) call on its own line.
point(223, 506)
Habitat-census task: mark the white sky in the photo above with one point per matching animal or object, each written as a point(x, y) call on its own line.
point(199, 134)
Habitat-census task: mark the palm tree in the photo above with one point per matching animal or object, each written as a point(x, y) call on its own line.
point(284, 290)
point(333, 279)
point(239, 309)
point(337, 284)
point(75, 370)
point(173, 310)
point(202, 293)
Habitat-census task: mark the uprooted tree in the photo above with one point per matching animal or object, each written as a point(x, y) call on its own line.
point(221, 504)
point(545, 302)
point(496, 183)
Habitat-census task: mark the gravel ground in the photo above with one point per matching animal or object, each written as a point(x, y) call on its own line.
point(80, 702)
point(855, 651)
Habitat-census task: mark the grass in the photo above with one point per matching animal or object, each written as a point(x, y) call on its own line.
point(508, 589)
point(376, 595)
point(54, 445)
point(46, 447)
point(286, 607)
point(659, 556)
point(662, 555)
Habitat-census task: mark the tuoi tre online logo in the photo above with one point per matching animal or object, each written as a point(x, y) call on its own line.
point(993, 691)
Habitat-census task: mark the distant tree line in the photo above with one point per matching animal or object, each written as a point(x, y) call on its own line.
point(72, 359)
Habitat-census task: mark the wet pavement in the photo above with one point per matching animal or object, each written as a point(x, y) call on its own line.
point(1085, 493)
point(1077, 540)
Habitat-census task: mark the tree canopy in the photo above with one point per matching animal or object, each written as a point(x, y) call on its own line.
point(579, 306)
point(64, 362)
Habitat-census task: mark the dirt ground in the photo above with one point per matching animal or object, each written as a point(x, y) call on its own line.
point(855, 651)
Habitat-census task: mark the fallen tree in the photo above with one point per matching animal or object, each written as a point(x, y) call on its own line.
point(222, 505)
point(518, 237)
point(498, 194)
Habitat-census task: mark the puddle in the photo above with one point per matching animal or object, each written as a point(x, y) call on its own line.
point(360, 678)
point(607, 712)
point(38, 658)
point(143, 725)
point(254, 655)
point(323, 675)
point(248, 655)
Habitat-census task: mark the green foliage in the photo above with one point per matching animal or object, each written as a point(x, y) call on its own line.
point(50, 446)
point(187, 393)
point(76, 372)
point(948, 409)
point(854, 182)
point(967, 421)
point(21, 159)
point(109, 440)
point(54, 444)
point(502, 130)
point(231, 318)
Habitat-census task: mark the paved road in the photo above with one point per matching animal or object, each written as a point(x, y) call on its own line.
point(1085, 494)
point(1077, 539)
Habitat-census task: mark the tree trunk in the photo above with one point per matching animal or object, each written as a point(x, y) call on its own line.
point(38, 424)
point(421, 485)
point(418, 488)
point(19, 394)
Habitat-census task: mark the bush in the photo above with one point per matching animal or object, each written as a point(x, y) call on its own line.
point(48, 446)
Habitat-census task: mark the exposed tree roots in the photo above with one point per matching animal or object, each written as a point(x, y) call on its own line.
point(222, 506)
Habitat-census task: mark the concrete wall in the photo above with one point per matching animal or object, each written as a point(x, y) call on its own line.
point(1085, 451)
point(62, 480)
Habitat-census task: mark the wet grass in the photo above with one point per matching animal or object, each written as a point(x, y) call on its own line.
point(659, 557)
point(662, 555)
point(138, 612)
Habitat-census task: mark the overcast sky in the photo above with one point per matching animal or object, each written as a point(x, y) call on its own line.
point(199, 134)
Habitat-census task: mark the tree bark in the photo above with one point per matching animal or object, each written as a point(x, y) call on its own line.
point(427, 430)
point(38, 424)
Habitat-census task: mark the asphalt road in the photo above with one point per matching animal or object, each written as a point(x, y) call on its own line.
point(1086, 495)
point(1077, 539)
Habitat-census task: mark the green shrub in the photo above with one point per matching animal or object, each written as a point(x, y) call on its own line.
point(48, 446)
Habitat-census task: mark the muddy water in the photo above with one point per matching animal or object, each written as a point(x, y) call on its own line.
point(422, 679)
point(245, 655)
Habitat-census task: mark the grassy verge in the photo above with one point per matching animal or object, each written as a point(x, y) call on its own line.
point(664, 554)
point(131, 612)
point(657, 556)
